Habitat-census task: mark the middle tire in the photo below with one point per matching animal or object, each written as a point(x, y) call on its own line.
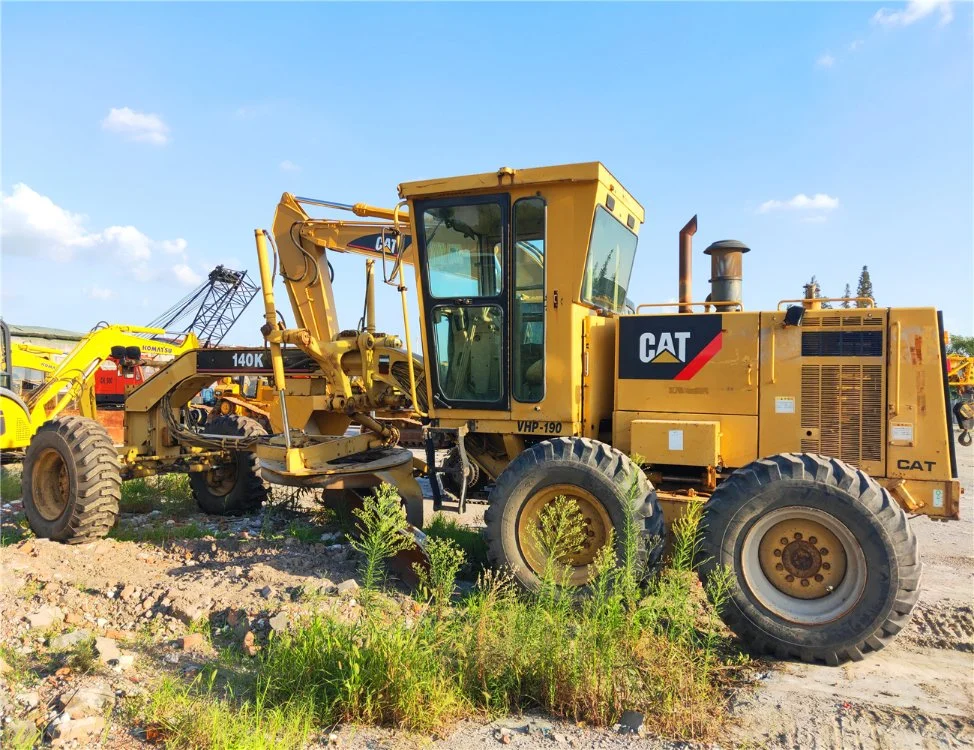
point(598, 477)
point(236, 488)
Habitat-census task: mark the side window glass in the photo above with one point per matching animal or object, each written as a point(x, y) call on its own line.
point(528, 308)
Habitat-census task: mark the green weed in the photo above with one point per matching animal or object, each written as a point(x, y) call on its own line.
point(438, 579)
point(303, 532)
point(169, 493)
point(20, 672)
point(471, 541)
point(10, 487)
point(381, 532)
point(82, 657)
point(162, 534)
point(22, 738)
point(200, 715)
point(13, 530)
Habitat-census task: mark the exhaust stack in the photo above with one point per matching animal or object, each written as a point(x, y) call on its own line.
point(686, 264)
point(726, 270)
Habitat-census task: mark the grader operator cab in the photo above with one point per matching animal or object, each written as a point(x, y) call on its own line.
point(807, 433)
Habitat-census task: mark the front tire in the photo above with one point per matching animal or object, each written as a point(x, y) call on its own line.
point(236, 488)
point(71, 481)
point(823, 561)
point(599, 478)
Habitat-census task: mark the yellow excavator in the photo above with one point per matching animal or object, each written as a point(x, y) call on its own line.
point(42, 359)
point(70, 381)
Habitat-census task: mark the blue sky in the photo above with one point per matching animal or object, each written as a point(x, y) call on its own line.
point(826, 136)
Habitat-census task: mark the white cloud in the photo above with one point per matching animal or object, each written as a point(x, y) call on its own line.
point(137, 126)
point(173, 247)
point(914, 11)
point(97, 292)
point(128, 244)
point(186, 275)
point(33, 224)
point(289, 166)
point(819, 201)
point(855, 46)
point(825, 61)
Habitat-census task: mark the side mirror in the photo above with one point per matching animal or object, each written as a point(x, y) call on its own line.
point(794, 315)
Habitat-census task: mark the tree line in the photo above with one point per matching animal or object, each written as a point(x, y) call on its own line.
point(863, 289)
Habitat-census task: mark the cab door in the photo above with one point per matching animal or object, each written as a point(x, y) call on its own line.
point(463, 249)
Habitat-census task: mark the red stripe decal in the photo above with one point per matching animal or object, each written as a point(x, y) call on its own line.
point(706, 354)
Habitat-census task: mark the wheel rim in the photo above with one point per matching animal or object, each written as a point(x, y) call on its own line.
point(597, 523)
point(804, 565)
point(221, 481)
point(50, 485)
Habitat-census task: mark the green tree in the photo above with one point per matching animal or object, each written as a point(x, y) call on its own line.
point(962, 345)
point(847, 293)
point(865, 287)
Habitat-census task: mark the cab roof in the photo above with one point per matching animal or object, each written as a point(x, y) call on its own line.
point(592, 171)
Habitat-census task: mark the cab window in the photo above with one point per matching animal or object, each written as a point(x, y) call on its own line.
point(609, 264)
point(463, 250)
point(528, 309)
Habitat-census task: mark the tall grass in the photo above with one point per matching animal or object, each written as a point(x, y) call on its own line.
point(10, 488)
point(200, 716)
point(470, 541)
point(657, 647)
point(500, 649)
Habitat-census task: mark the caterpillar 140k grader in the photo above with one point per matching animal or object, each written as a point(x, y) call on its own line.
point(807, 434)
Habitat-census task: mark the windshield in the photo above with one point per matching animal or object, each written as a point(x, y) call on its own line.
point(609, 264)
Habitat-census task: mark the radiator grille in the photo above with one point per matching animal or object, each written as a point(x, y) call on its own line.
point(842, 406)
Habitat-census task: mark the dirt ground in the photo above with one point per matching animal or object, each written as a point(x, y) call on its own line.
point(146, 599)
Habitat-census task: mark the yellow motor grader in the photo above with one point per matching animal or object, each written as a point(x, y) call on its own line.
point(808, 434)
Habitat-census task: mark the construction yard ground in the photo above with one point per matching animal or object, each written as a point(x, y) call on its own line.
point(144, 591)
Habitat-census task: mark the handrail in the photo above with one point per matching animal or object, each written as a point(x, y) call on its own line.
point(896, 372)
point(725, 303)
point(870, 300)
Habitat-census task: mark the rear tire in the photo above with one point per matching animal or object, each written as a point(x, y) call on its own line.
point(824, 563)
point(599, 477)
point(236, 488)
point(71, 481)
